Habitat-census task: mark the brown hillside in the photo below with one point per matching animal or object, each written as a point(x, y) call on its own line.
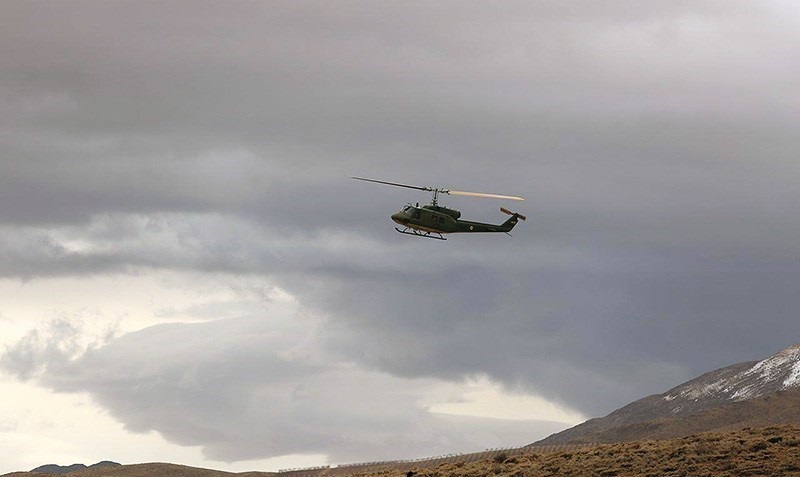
point(773, 451)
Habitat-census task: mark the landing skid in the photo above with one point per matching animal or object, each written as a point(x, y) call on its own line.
point(418, 233)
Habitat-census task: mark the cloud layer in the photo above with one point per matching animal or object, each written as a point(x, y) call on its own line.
point(255, 387)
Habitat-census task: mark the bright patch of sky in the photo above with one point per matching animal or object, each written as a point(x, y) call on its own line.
point(482, 397)
point(40, 427)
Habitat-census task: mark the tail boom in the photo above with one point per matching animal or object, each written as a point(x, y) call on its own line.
point(467, 226)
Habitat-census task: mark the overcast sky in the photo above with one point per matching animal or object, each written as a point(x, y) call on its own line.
point(187, 273)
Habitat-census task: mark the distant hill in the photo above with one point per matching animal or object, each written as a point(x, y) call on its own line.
point(58, 469)
point(156, 470)
point(65, 469)
point(751, 394)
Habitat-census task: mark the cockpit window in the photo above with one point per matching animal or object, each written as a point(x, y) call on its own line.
point(408, 209)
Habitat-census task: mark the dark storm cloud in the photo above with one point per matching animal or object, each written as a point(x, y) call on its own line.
point(135, 108)
point(655, 143)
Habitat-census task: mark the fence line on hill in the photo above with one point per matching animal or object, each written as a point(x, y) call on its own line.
point(425, 462)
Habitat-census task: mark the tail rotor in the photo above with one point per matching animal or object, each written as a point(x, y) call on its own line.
point(506, 211)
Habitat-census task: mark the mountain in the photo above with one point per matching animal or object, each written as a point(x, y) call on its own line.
point(65, 469)
point(746, 394)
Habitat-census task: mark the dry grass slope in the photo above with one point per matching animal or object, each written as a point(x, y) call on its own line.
point(773, 451)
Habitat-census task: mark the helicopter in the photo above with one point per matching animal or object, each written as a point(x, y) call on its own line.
point(434, 220)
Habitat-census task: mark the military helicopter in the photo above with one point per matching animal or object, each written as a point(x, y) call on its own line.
point(434, 220)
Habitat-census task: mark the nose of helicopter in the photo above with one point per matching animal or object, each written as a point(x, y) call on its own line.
point(398, 217)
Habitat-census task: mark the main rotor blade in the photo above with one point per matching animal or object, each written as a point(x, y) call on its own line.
point(392, 183)
point(481, 194)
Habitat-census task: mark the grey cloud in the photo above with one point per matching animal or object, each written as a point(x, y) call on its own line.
point(237, 389)
point(29, 357)
point(527, 315)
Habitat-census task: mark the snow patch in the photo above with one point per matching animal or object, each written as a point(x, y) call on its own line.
point(745, 392)
point(770, 367)
point(699, 390)
point(794, 377)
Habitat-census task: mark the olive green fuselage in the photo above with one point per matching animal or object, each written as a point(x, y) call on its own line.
point(441, 220)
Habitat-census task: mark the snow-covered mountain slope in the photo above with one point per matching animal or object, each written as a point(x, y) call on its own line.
point(776, 373)
point(740, 389)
